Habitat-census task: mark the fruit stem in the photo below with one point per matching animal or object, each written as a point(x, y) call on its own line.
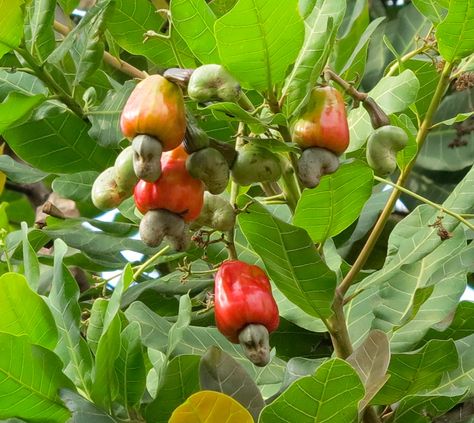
point(149, 262)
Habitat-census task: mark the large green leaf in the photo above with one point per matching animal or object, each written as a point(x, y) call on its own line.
point(457, 326)
point(331, 394)
point(393, 94)
point(290, 258)
point(196, 340)
point(418, 370)
point(194, 20)
point(106, 116)
point(218, 371)
point(336, 203)
point(455, 35)
point(419, 408)
point(431, 9)
point(16, 106)
point(19, 172)
point(11, 24)
point(39, 33)
point(83, 411)
point(20, 81)
point(30, 260)
point(76, 186)
point(130, 20)
point(30, 377)
point(321, 24)
point(63, 302)
point(181, 380)
point(57, 142)
point(25, 313)
point(130, 366)
point(463, 376)
point(96, 323)
point(258, 40)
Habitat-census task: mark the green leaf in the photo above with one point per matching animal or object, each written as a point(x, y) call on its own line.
point(96, 323)
point(68, 5)
point(393, 94)
point(11, 25)
point(455, 35)
point(331, 394)
point(196, 340)
point(320, 26)
point(130, 366)
point(83, 411)
point(25, 313)
point(194, 21)
point(181, 380)
point(30, 261)
point(461, 117)
point(58, 143)
point(218, 371)
point(19, 172)
point(76, 186)
point(182, 323)
point(129, 20)
point(421, 407)
point(15, 107)
point(22, 82)
point(336, 203)
point(405, 156)
point(258, 40)
point(290, 258)
point(371, 360)
point(63, 302)
point(105, 117)
point(431, 9)
point(456, 326)
point(418, 370)
point(39, 31)
point(30, 377)
point(105, 383)
point(463, 375)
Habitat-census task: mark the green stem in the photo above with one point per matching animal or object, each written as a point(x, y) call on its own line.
point(426, 201)
point(443, 84)
point(404, 59)
point(46, 77)
point(149, 262)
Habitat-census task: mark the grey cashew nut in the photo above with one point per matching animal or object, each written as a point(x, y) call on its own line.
point(254, 339)
point(147, 157)
point(382, 147)
point(211, 168)
point(314, 163)
point(159, 224)
point(216, 213)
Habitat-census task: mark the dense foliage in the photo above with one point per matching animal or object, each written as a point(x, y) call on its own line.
point(324, 114)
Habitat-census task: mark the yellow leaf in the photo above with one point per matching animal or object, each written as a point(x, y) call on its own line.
point(210, 407)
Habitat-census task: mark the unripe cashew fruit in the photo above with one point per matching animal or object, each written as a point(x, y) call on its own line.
point(147, 157)
point(314, 163)
point(382, 147)
point(323, 122)
point(211, 168)
point(213, 82)
point(216, 213)
point(155, 107)
point(124, 174)
point(105, 193)
point(255, 164)
point(158, 224)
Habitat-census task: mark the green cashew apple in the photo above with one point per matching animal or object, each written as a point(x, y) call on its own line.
point(210, 167)
point(255, 164)
point(314, 163)
point(147, 157)
point(124, 174)
point(105, 193)
point(382, 147)
point(213, 82)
